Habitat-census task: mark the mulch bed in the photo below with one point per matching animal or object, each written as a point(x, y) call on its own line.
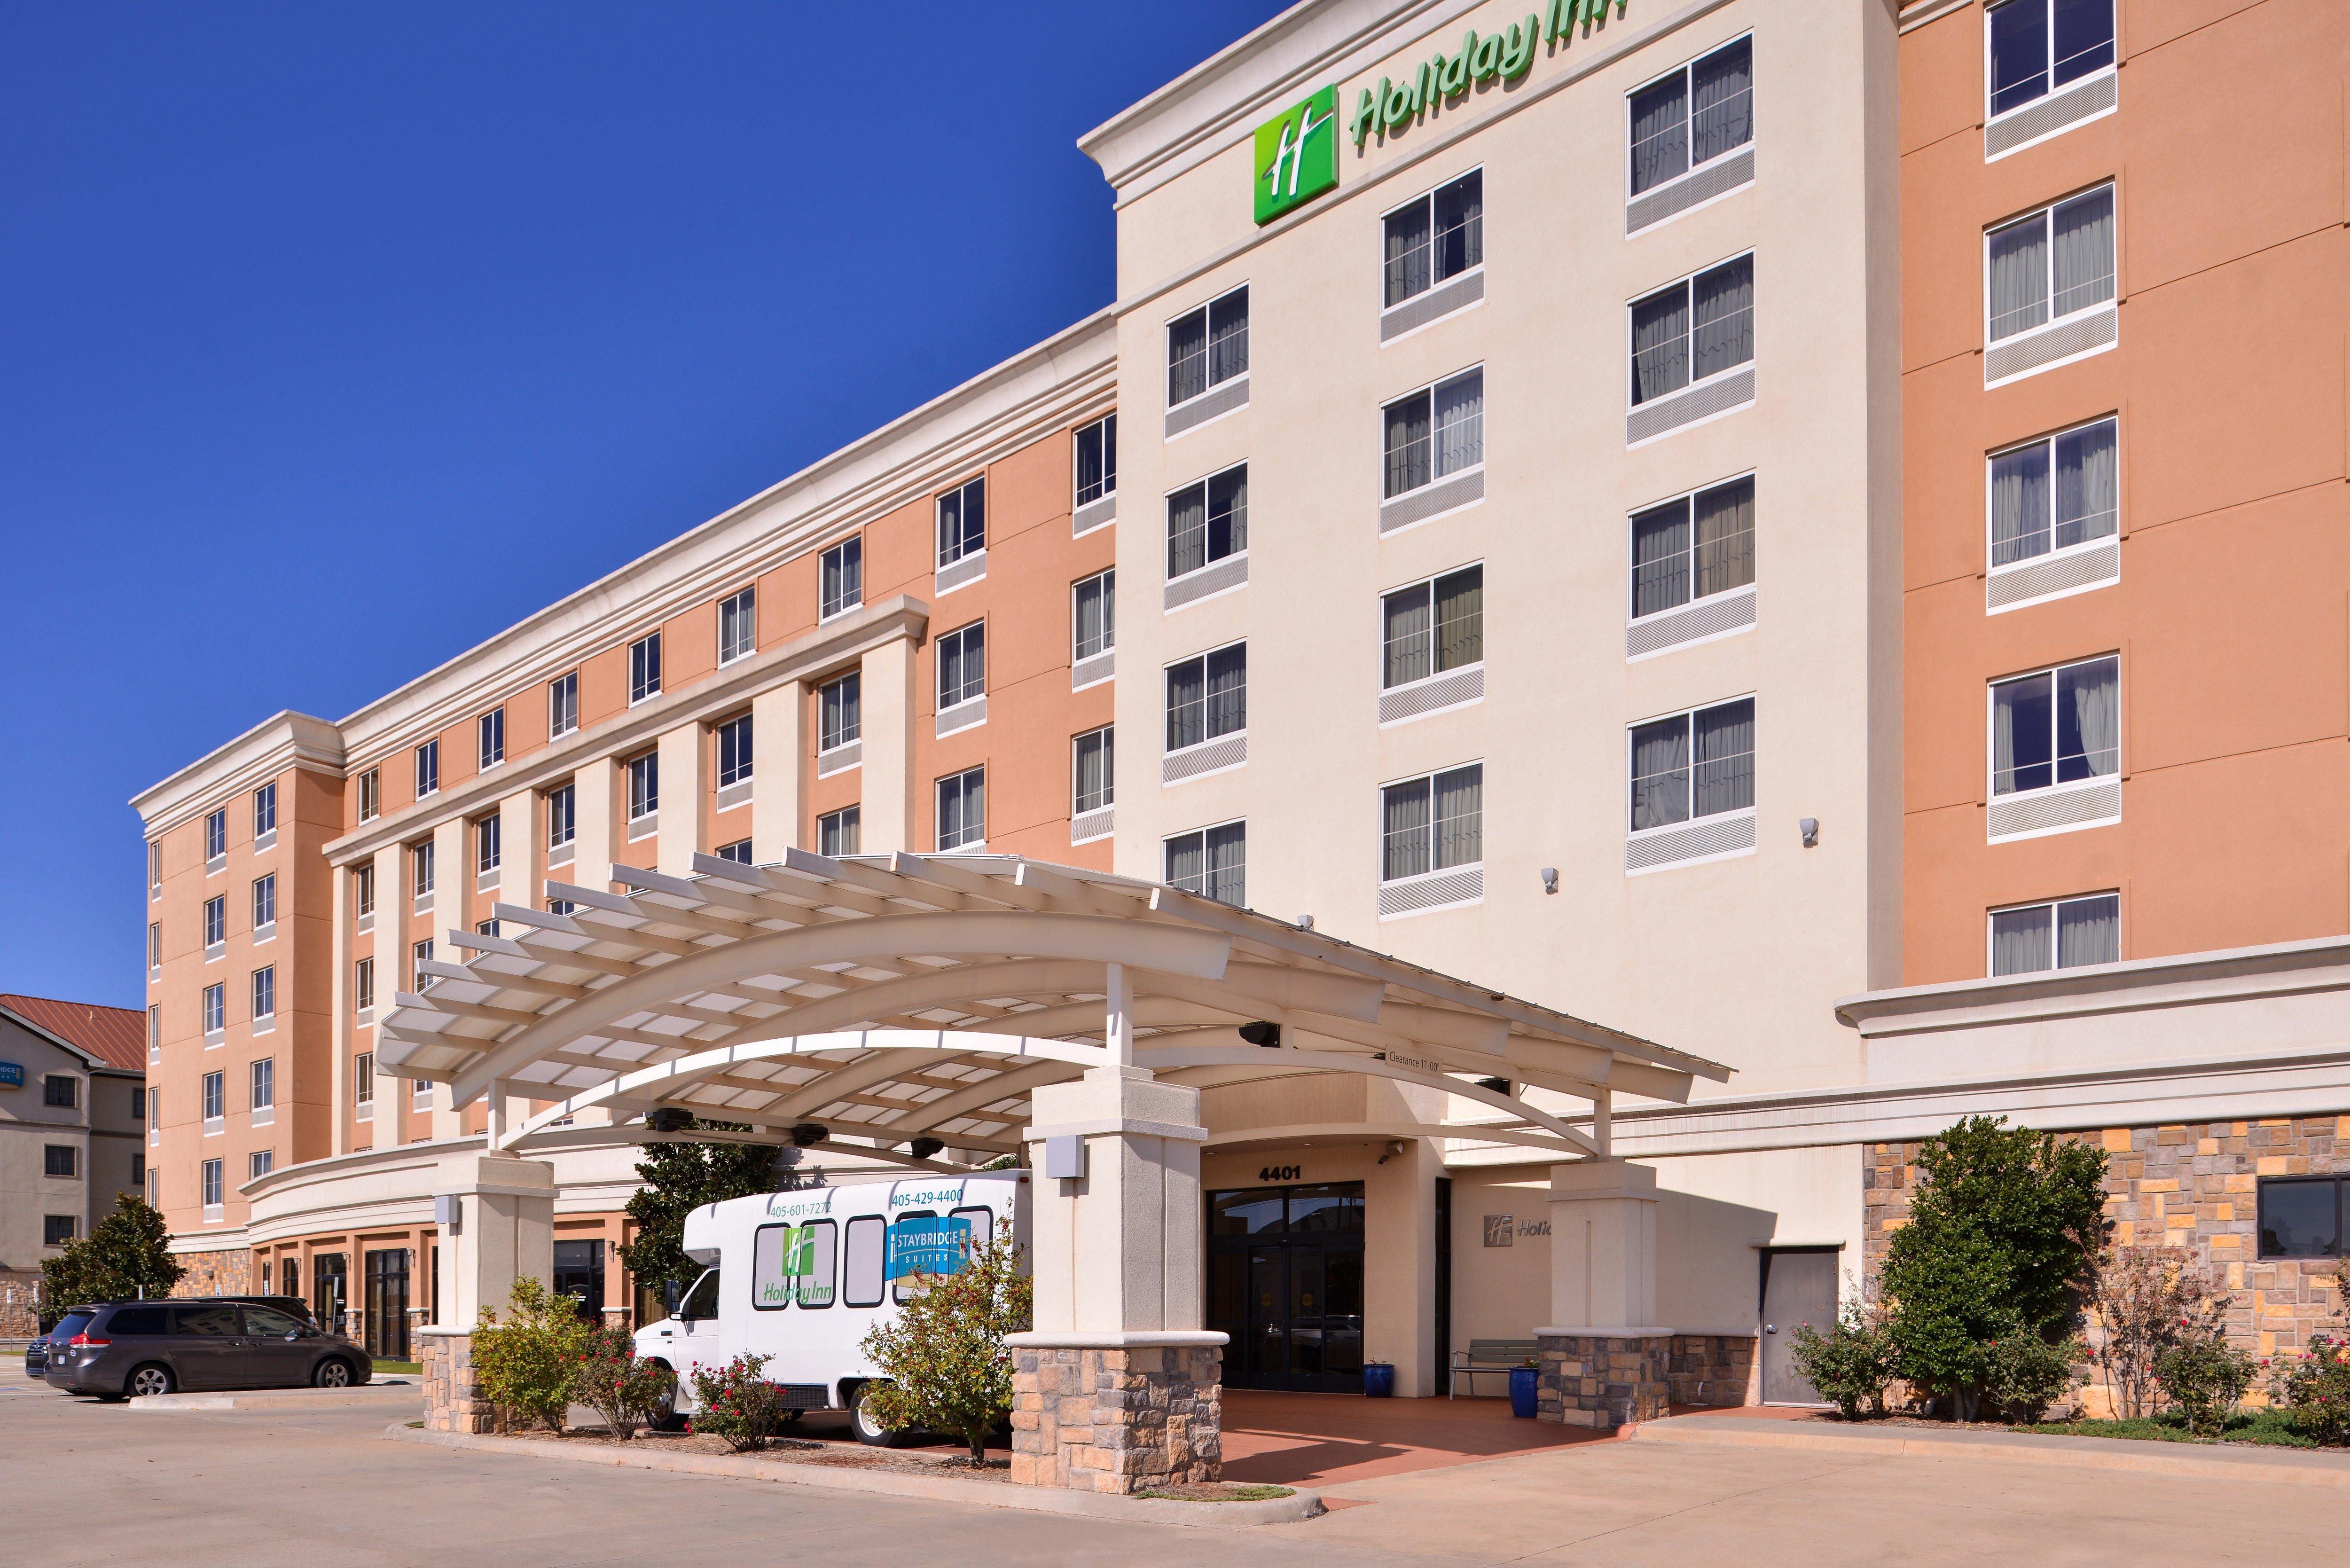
point(941, 1461)
point(2262, 1427)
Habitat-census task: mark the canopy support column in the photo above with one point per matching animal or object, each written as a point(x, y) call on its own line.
point(1119, 1032)
point(1606, 1361)
point(496, 1217)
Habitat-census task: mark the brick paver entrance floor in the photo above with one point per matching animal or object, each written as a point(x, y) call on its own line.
point(1321, 1440)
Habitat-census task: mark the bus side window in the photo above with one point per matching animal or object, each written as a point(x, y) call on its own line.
point(862, 1278)
point(982, 1225)
point(816, 1285)
point(907, 1286)
point(770, 1289)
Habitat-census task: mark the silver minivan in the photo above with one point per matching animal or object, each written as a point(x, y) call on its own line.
point(118, 1349)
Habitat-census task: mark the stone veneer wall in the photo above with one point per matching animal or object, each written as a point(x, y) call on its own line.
point(225, 1272)
point(18, 1317)
point(2190, 1187)
point(1716, 1370)
point(452, 1400)
point(1594, 1380)
point(1117, 1420)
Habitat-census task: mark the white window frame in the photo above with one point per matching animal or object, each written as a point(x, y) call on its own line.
point(563, 704)
point(265, 998)
point(363, 985)
point(489, 843)
point(1200, 484)
point(1632, 566)
point(423, 868)
point(363, 889)
point(1688, 281)
point(2055, 930)
point(490, 739)
point(428, 768)
point(264, 809)
point(568, 818)
point(1687, 71)
point(1200, 659)
point(363, 1079)
point(1205, 309)
point(1434, 870)
point(645, 669)
point(643, 772)
point(1427, 198)
point(2054, 552)
point(418, 955)
point(839, 824)
point(747, 758)
point(215, 835)
point(1200, 833)
point(2111, 68)
point(2055, 787)
point(215, 920)
point(2046, 213)
point(215, 1180)
point(829, 741)
point(213, 1094)
point(261, 1083)
point(154, 869)
point(843, 549)
point(1109, 737)
point(739, 852)
point(1107, 426)
point(215, 1008)
point(959, 778)
point(1690, 714)
point(741, 608)
point(1429, 582)
point(265, 903)
point(1078, 654)
point(1435, 446)
point(261, 1162)
point(939, 666)
point(963, 551)
point(371, 794)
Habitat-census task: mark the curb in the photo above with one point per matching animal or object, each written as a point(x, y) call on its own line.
point(2240, 1462)
point(389, 1393)
point(891, 1483)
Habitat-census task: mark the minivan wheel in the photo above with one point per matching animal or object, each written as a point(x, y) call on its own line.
point(332, 1375)
point(869, 1430)
point(148, 1381)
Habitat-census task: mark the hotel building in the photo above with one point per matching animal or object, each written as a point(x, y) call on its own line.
point(1733, 519)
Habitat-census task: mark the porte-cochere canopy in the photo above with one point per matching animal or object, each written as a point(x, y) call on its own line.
point(890, 998)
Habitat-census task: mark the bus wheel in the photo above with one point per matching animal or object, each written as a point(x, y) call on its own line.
point(869, 1430)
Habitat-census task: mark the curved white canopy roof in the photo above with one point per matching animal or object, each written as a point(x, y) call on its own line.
point(893, 997)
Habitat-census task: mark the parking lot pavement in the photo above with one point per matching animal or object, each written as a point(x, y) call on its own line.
point(322, 1486)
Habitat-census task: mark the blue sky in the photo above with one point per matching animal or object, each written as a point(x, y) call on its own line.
point(339, 336)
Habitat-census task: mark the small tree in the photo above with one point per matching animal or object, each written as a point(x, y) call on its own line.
point(126, 1256)
point(615, 1382)
point(680, 1178)
point(948, 1367)
point(2147, 1300)
point(1999, 1240)
point(529, 1364)
point(1851, 1363)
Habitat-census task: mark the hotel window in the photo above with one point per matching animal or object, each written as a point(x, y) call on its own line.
point(139, 1169)
point(562, 816)
point(563, 704)
point(485, 927)
point(644, 785)
point(265, 992)
point(962, 522)
point(840, 711)
point(370, 795)
point(738, 626)
point(1432, 824)
point(420, 1093)
point(363, 1079)
point(2056, 726)
point(1435, 237)
point(264, 810)
point(1093, 616)
point(262, 1162)
point(560, 906)
point(1693, 330)
point(644, 669)
point(2055, 493)
point(155, 945)
point(1435, 432)
point(1693, 764)
point(154, 866)
point(2049, 265)
point(264, 901)
point(738, 852)
point(1207, 697)
point(2301, 1215)
point(1433, 627)
point(419, 859)
point(488, 847)
point(1098, 460)
point(363, 882)
point(60, 1159)
point(2065, 934)
point(962, 665)
point(1693, 547)
point(836, 832)
point(1701, 112)
point(212, 1184)
point(962, 808)
point(428, 769)
point(61, 1090)
point(418, 955)
point(1207, 521)
point(841, 579)
point(216, 1096)
point(2039, 45)
point(734, 751)
point(363, 984)
point(264, 1084)
point(216, 835)
point(1093, 770)
point(1208, 347)
point(490, 730)
point(1211, 862)
point(154, 1028)
point(215, 919)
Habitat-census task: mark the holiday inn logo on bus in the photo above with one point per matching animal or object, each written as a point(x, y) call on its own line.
point(1297, 155)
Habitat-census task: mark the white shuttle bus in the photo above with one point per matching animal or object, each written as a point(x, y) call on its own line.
point(802, 1277)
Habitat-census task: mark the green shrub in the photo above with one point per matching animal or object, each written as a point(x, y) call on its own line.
point(614, 1382)
point(2026, 1375)
point(1851, 1363)
point(2205, 1376)
point(2315, 1390)
point(948, 1367)
point(528, 1365)
point(737, 1403)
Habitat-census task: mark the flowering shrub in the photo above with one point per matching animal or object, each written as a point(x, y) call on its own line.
point(616, 1384)
point(1851, 1363)
point(2315, 1390)
point(2205, 1376)
point(2027, 1374)
point(526, 1365)
point(948, 1367)
point(2145, 1300)
point(737, 1403)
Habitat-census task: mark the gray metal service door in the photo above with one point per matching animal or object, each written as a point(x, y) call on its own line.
point(1802, 1289)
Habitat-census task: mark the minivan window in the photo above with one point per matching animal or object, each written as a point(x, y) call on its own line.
point(209, 1321)
point(72, 1323)
point(135, 1320)
point(703, 1300)
point(262, 1320)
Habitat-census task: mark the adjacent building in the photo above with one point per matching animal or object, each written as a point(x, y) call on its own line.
point(73, 1092)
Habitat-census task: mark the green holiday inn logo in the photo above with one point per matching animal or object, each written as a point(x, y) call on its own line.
point(1297, 155)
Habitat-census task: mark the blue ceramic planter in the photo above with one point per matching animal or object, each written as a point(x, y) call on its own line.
point(1379, 1380)
point(1523, 1381)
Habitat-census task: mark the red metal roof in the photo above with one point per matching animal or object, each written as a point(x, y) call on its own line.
point(115, 1035)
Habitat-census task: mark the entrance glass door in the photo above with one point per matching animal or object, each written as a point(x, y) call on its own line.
point(387, 1304)
point(1285, 1281)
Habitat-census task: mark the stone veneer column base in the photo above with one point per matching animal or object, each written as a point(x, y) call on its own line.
point(452, 1400)
point(1094, 1418)
point(1715, 1369)
point(1604, 1378)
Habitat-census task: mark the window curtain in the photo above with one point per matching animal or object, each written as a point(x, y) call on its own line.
point(1228, 337)
point(1660, 558)
point(1093, 770)
point(1228, 513)
point(2088, 488)
point(1724, 331)
point(1187, 531)
point(1096, 606)
point(2019, 276)
point(2088, 720)
point(962, 666)
point(1460, 618)
point(1459, 226)
point(1404, 830)
point(1186, 862)
point(1187, 358)
point(1408, 252)
point(2021, 941)
point(1408, 452)
point(1660, 132)
point(1186, 708)
point(1406, 636)
point(962, 812)
point(2088, 930)
point(1722, 101)
point(1660, 773)
point(1460, 817)
point(2019, 735)
point(2084, 252)
point(1227, 864)
point(1725, 538)
point(1227, 691)
point(1661, 344)
point(2019, 504)
point(1725, 758)
point(1460, 424)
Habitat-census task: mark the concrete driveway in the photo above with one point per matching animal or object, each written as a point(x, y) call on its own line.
point(102, 1484)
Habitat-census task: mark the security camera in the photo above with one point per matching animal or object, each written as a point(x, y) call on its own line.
point(810, 1133)
point(1260, 1032)
point(924, 1148)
